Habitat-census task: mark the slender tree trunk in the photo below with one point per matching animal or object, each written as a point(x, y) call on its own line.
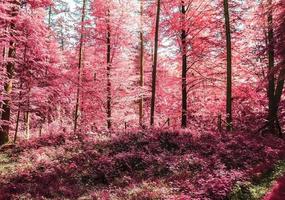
point(17, 125)
point(109, 95)
point(61, 39)
point(18, 113)
point(27, 125)
point(154, 66)
point(80, 65)
point(49, 16)
point(141, 64)
point(4, 130)
point(27, 116)
point(4, 60)
point(20, 96)
point(184, 67)
point(229, 66)
point(40, 131)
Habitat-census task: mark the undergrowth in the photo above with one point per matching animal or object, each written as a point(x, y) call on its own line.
point(143, 165)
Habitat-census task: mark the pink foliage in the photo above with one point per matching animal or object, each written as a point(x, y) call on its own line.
point(202, 167)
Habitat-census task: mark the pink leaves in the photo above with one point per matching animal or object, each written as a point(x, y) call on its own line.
point(40, 3)
point(72, 166)
point(201, 167)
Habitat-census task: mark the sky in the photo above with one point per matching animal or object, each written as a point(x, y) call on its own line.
point(71, 3)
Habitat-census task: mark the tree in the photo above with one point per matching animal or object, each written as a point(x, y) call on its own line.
point(229, 65)
point(6, 113)
point(109, 64)
point(184, 66)
point(275, 86)
point(80, 65)
point(154, 66)
point(59, 21)
point(141, 63)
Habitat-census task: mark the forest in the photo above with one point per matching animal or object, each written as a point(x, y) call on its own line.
point(142, 99)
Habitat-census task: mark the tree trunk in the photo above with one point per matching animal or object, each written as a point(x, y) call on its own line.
point(3, 65)
point(229, 66)
point(184, 67)
point(20, 97)
point(19, 111)
point(27, 125)
point(61, 39)
point(40, 130)
point(80, 64)
point(154, 66)
point(109, 97)
point(141, 64)
point(27, 116)
point(49, 16)
point(4, 130)
point(17, 125)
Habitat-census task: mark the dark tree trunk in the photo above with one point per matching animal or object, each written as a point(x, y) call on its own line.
point(141, 64)
point(80, 65)
point(19, 109)
point(109, 95)
point(20, 97)
point(17, 125)
point(154, 66)
point(184, 68)
point(4, 130)
point(275, 88)
point(229, 118)
point(40, 130)
point(49, 16)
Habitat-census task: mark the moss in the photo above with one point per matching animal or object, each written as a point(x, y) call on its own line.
point(256, 189)
point(5, 163)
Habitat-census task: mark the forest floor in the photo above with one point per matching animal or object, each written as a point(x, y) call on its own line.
point(144, 165)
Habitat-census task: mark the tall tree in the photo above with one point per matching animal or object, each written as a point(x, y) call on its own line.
point(229, 65)
point(272, 117)
point(275, 85)
point(4, 131)
point(109, 95)
point(141, 64)
point(80, 65)
point(184, 65)
point(154, 66)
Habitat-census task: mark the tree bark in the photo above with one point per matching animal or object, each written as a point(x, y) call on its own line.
point(17, 125)
point(49, 16)
point(40, 130)
point(184, 67)
point(109, 95)
point(27, 125)
point(3, 65)
point(4, 131)
point(80, 65)
point(154, 66)
point(275, 88)
point(19, 110)
point(141, 102)
point(229, 66)
point(20, 97)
